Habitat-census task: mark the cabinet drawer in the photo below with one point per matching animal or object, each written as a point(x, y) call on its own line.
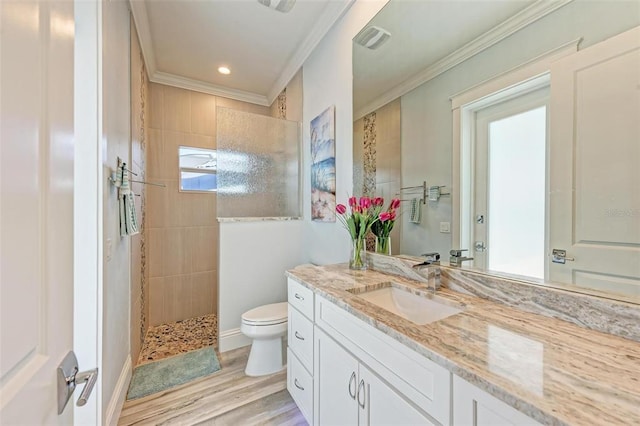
point(301, 298)
point(300, 337)
point(300, 386)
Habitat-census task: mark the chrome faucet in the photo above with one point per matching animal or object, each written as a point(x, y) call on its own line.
point(430, 259)
point(432, 274)
point(456, 258)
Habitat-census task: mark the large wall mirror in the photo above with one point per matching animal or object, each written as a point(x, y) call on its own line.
point(526, 121)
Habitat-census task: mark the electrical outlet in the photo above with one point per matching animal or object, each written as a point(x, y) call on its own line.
point(445, 227)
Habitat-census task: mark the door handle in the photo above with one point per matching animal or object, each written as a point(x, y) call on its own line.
point(295, 382)
point(352, 381)
point(298, 336)
point(361, 392)
point(69, 377)
point(297, 296)
point(560, 256)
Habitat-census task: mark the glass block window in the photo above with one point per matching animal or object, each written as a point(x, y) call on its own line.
point(198, 169)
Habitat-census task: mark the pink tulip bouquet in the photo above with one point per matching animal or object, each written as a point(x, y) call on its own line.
point(361, 217)
point(384, 225)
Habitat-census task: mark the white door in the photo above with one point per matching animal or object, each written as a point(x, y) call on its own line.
point(335, 383)
point(36, 208)
point(510, 185)
point(595, 165)
point(381, 405)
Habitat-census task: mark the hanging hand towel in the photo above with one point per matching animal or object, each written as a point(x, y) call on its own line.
point(416, 210)
point(128, 219)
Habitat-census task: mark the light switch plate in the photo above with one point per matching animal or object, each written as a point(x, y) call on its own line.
point(445, 227)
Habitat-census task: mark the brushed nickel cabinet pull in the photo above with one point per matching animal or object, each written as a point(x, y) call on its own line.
point(352, 381)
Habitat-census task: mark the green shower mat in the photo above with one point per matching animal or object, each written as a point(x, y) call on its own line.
point(160, 375)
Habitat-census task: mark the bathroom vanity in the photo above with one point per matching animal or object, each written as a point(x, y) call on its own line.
point(361, 351)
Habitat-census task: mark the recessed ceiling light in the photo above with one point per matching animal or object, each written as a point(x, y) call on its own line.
point(224, 70)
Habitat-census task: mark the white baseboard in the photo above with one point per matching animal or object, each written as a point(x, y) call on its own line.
point(119, 394)
point(232, 339)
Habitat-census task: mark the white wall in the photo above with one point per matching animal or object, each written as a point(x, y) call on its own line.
point(253, 258)
point(115, 142)
point(327, 80)
point(426, 111)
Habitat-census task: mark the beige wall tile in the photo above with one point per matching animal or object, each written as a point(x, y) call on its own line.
point(157, 205)
point(156, 301)
point(174, 209)
point(204, 210)
point(170, 166)
point(242, 106)
point(168, 300)
point(177, 252)
point(155, 149)
point(204, 293)
point(203, 114)
point(182, 227)
point(177, 303)
point(156, 253)
point(186, 202)
point(156, 105)
point(177, 109)
point(204, 241)
point(200, 141)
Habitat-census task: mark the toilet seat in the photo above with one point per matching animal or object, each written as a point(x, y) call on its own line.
point(273, 314)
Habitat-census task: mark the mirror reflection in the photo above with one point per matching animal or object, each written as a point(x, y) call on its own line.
point(524, 116)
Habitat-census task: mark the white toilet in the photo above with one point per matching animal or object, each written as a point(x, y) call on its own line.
point(265, 325)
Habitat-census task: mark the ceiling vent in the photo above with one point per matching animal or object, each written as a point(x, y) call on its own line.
point(283, 6)
point(372, 37)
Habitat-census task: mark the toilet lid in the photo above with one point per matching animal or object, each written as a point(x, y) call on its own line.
point(274, 313)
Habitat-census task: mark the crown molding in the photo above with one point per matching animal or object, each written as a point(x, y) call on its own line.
point(141, 19)
point(531, 14)
point(333, 12)
point(211, 89)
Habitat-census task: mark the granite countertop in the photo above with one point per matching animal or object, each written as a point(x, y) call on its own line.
point(554, 371)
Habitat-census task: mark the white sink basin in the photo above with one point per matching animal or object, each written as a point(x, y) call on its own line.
point(414, 307)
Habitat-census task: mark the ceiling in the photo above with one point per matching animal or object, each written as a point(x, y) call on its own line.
point(429, 37)
point(184, 43)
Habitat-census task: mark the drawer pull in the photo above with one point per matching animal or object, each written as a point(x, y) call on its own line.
point(299, 297)
point(352, 381)
point(361, 391)
point(298, 336)
point(295, 382)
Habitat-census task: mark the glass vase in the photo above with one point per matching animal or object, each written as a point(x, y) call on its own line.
point(383, 245)
point(358, 258)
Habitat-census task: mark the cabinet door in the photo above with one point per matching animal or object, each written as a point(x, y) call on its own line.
point(380, 404)
point(475, 407)
point(335, 383)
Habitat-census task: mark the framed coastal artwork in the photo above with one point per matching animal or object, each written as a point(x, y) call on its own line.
point(323, 166)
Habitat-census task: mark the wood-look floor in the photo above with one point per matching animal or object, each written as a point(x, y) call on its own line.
point(227, 397)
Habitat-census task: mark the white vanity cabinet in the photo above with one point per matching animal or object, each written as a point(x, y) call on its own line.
point(364, 377)
point(300, 347)
point(475, 407)
point(349, 393)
